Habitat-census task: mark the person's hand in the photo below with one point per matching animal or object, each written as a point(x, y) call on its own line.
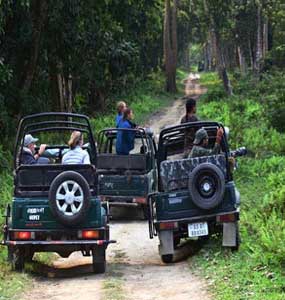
point(42, 149)
point(220, 133)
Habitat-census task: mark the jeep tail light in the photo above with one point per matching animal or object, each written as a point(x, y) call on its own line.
point(226, 218)
point(168, 225)
point(23, 235)
point(89, 234)
point(140, 200)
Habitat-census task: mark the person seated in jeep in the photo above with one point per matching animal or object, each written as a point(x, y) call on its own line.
point(126, 138)
point(76, 155)
point(29, 156)
point(201, 142)
point(190, 116)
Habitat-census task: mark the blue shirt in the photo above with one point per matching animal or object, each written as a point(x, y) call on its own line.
point(118, 119)
point(76, 156)
point(125, 139)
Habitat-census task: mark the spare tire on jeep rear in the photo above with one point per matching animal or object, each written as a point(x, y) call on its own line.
point(69, 198)
point(206, 186)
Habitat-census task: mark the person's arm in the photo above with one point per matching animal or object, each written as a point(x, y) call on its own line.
point(217, 147)
point(40, 152)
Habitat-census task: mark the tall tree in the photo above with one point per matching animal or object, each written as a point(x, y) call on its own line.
point(213, 9)
point(170, 44)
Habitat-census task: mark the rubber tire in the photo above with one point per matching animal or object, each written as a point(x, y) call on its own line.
point(197, 198)
point(79, 217)
point(145, 212)
point(98, 267)
point(167, 258)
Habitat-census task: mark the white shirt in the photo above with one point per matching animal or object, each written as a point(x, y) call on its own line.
point(76, 156)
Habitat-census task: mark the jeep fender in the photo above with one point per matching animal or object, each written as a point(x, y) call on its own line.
point(166, 245)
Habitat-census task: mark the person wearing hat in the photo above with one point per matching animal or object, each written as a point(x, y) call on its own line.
point(201, 142)
point(29, 155)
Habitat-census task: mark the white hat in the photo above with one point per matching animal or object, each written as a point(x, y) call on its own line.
point(29, 140)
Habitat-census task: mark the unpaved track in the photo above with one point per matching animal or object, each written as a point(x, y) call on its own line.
point(133, 259)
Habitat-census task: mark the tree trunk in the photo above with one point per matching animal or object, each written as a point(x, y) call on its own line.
point(258, 50)
point(221, 64)
point(39, 14)
point(241, 60)
point(250, 54)
point(170, 45)
point(265, 38)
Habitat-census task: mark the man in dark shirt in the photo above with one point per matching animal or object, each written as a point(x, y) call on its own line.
point(189, 117)
point(201, 142)
point(28, 155)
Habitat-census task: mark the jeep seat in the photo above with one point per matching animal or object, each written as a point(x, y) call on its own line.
point(35, 180)
point(114, 164)
point(174, 174)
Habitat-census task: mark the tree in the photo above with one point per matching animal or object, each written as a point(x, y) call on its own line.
point(170, 44)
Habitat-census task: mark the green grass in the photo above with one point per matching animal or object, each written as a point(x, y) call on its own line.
point(257, 271)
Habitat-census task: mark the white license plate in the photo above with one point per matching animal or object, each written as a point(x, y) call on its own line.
point(198, 229)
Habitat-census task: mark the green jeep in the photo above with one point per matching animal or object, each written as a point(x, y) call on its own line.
point(126, 180)
point(197, 196)
point(55, 207)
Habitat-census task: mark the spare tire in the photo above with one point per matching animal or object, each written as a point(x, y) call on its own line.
point(206, 186)
point(69, 198)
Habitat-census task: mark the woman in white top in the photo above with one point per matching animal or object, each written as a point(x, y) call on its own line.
point(76, 155)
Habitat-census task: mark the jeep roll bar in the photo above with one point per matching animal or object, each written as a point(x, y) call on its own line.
point(175, 134)
point(52, 121)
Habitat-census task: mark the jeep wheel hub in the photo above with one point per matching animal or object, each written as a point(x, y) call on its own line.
point(69, 198)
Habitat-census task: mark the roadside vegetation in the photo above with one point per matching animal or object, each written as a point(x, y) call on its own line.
point(254, 115)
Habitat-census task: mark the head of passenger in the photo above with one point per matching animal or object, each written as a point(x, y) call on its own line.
point(201, 138)
point(128, 114)
point(190, 106)
point(76, 139)
point(30, 142)
point(121, 106)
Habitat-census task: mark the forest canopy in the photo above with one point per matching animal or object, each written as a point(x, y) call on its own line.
point(76, 55)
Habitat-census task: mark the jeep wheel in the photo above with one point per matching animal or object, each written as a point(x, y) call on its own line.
point(99, 260)
point(167, 258)
point(69, 198)
point(206, 186)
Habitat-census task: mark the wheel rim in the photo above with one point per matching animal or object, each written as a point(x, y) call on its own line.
point(69, 198)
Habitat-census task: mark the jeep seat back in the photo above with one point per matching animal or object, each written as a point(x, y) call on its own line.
point(174, 174)
point(112, 162)
point(35, 180)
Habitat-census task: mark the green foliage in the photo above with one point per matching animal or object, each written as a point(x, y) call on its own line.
point(257, 270)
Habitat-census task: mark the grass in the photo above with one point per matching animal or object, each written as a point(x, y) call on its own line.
point(145, 99)
point(257, 271)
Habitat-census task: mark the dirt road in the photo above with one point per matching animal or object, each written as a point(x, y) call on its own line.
point(134, 268)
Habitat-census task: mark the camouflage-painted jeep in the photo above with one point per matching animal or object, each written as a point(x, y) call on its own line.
point(126, 180)
point(55, 207)
point(197, 196)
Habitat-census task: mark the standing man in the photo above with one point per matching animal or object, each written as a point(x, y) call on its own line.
point(29, 156)
point(190, 116)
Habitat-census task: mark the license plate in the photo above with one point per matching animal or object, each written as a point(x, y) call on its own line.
point(198, 229)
